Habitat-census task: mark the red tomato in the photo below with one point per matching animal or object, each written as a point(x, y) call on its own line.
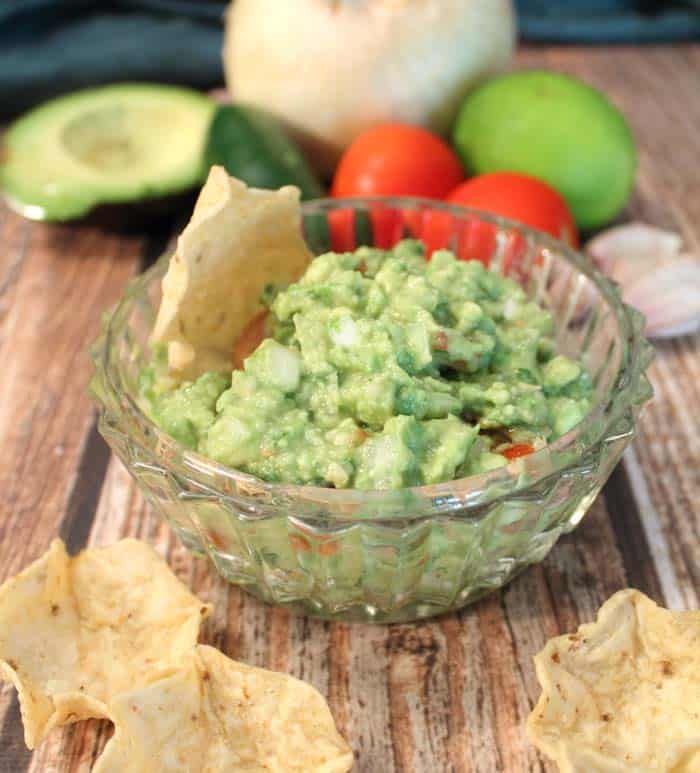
point(435, 231)
point(249, 340)
point(469, 239)
point(519, 197)
point(477, 242)
point(387, 226)
point(341, 223)
point(397, 160)
point(517, 450)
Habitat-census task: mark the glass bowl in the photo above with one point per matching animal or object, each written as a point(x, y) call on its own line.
point(387, 556)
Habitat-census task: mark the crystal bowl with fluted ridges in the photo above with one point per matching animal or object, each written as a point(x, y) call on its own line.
point(386, 556)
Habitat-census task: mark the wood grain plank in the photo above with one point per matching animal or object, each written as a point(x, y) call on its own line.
point(80, 509)
point(419, 696)
point(669, 575)
point(472, 691)
point(339, 678)
point(63, 285)
point(668, 432)
point(369, 708)
point(55, 284)
point(657, 88)
point(631, 535)
point(491, 645)
point(14, 755)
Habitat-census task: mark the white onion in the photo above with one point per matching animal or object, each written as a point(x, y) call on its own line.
point(331, 68)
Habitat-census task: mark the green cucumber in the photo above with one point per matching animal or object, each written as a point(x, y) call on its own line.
point(252, 146)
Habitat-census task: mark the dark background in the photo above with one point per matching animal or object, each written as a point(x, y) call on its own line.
point(54, 46)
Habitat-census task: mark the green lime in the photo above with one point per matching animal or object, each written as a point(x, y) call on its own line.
point(554, 127)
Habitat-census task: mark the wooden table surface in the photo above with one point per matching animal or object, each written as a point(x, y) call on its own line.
point(444, 695)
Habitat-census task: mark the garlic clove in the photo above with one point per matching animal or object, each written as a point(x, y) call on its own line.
point(669, 297)
point(626, 250)
point(687, 328)
point(653, 276)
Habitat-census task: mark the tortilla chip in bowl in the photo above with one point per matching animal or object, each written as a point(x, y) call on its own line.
point(238, 240)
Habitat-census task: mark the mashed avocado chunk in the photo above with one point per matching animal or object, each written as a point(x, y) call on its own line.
point(384, 370)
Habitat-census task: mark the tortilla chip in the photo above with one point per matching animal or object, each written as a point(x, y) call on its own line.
point(239, 240)
point(214, 714)
point(74, 632)
point(622, 693)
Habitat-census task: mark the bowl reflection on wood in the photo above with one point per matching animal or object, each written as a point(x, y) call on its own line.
point(387, 556)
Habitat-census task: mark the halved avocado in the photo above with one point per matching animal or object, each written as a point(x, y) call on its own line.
point(109, 145)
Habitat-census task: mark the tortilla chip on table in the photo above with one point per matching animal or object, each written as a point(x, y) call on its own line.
point(214, 714)
point(622, 693)
point(75, 632)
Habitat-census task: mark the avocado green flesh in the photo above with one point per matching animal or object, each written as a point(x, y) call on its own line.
point(383, 371)
point(107, 145)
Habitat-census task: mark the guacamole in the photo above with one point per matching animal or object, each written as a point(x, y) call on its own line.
point(383, 370)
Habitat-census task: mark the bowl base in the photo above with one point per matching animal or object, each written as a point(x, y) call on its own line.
point(368, 614)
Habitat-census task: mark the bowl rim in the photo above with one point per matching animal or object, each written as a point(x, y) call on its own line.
point(471, 491)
